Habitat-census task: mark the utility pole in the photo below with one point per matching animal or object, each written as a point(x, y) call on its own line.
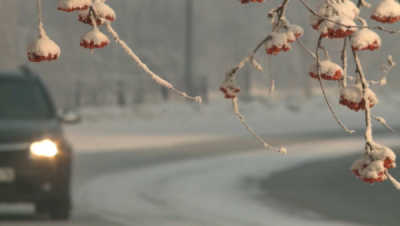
point(188, 76)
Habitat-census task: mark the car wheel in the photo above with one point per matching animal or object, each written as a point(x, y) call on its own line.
point(59, 210)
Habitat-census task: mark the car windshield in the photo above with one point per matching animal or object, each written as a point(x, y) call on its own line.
point(23, 100)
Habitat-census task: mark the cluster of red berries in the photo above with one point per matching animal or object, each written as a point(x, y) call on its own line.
point(371, 47)
point(247, 1)
point(274, 50)
point(373, 167)
point(92, 44)
point(33, 57)
point(336, 33)
point(353, 105)
point(230, 91)
point(335, 77)
point(386, 19)
point(328, 70)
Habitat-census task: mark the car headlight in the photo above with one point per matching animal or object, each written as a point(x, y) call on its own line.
point(45, 148)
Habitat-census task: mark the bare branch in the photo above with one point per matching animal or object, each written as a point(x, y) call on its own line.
point(383, 122)
point(365, 86)
point(307, 49)
point(249, 57)
point(236, 110)
point(323, 90)
point(344, 64)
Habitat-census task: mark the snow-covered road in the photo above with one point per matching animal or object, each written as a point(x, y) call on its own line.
point(212, 191)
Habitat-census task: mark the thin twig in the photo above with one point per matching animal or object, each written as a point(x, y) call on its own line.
point(236, 110)
point(241, 64)
point(307, 49)
point(365, 86)
point(344, 64)
point(323, 90)
point(42, 32)
point(383, 122)
point(280, 12)
point(129, 51)
point(347, 26)
point(272, 87)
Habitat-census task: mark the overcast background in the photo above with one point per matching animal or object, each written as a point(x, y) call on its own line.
point(224, 31)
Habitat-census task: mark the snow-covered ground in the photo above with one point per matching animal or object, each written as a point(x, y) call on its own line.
point(212, 191)
point(209, 191)
point(169, 124)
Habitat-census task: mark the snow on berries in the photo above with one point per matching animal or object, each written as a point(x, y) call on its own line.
point(373, 166)
point(276, 43)
point(346, 8)
point(94, 39)
point(293, 32)
point(365, 39)
point(341, 29)
point(102, 10)
point(352, 97)
point(72, 5)
point(229, 88)
point(328, 69)
point(43, 48)
point(247, 1)
point(387, 11)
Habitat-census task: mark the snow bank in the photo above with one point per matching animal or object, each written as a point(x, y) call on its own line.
point(167, 124)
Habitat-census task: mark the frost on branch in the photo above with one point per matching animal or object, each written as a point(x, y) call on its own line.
point(102, 11)
point(365, 39)
point(353, 97)
point(43, 48)
point(387, 11)
point(328, 70)
point(72, 5)
point(155, 77)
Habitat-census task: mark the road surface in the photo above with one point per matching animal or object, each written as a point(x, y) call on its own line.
point(169, 203)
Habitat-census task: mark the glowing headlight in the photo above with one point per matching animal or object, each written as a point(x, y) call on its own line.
point(45, 148)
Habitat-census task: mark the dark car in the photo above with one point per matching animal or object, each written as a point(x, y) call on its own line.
point(35, 158)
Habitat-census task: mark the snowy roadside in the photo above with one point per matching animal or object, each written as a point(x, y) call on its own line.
point(212, 191)
point(169, 124)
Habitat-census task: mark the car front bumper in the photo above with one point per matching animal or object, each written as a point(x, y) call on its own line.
point(35, 179)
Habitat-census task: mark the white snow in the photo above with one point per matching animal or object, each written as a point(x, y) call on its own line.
point(381, 152)
point(277, 39)
point(354, 93)
point(386, 8)
point(96, 36)
point(343, 20)
point(102, 10)
point(363, 38)
point(44, 46)
point(327, 68)
point(71, 4)
point(208, 190)
point(373, 170)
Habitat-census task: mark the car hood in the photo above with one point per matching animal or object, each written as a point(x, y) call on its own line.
point(13, 131)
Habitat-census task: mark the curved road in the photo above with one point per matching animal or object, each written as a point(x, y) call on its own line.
point(89, 167)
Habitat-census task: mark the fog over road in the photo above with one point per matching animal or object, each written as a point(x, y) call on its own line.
point(216, 183)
